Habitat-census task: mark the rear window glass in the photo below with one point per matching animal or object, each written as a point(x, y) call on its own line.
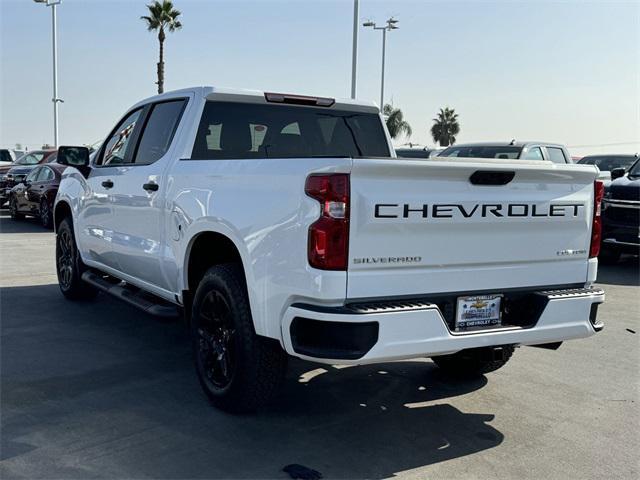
point(409, 153)
point(608, 163)
point(30, 159)
point(481, 152)
point(238, 130)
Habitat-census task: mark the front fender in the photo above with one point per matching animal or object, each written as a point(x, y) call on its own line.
point(73, 187)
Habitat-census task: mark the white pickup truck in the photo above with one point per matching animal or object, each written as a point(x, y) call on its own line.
point(284, 225)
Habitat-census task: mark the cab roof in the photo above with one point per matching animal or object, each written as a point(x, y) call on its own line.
point(261, 97)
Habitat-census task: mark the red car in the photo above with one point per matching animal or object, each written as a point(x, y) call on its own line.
point(35, 194)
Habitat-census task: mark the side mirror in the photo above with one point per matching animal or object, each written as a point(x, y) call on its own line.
point(617, 173)
point(73, 156)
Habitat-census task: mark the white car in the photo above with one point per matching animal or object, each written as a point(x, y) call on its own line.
point(284, 225)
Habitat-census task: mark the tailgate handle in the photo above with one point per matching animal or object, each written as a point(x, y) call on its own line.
point(491, 177)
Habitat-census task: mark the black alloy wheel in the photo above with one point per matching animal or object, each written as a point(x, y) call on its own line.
point(216, 352)
point(69, 266)
point(238, 370)
point(46, 216)
point(64, 259)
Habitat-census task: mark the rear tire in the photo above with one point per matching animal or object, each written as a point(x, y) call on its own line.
point(238, 370)
point(69, 266)
point(473, 362)
point(13, 209)
point(46, 214)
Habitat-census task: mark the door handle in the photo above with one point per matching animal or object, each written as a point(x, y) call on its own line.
point(150, 187)
point(107, 184)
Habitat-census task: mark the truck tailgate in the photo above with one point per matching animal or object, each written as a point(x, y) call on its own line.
point(422, 227)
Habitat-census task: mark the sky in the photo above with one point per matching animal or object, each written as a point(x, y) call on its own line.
point(562, 71)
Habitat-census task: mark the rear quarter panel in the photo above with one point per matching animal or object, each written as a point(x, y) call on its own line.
point(262, 207)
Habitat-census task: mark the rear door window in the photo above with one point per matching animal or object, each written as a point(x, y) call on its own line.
point(556, 155)
point(158, 131)
point(243, 130)
point(534, 153)
point(45, 175)
point(33, 174)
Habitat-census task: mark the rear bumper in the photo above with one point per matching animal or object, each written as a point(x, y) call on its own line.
point(408, 330)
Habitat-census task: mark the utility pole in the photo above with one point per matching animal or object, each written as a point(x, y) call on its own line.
point(354, 51)
point(54, 41)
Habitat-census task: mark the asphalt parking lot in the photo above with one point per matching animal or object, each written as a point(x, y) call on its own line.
point(99, 390)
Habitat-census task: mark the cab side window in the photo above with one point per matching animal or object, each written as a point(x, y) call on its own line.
point(115, 148)
point(158, 131)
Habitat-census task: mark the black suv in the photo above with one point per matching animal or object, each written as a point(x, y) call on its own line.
point(621, 214)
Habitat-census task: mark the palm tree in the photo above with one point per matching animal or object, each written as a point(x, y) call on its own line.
point(162, 16)
point(445, 127)
point(396, 123)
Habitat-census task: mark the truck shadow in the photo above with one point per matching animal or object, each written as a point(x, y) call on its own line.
point(624, 272)
point(100, 388)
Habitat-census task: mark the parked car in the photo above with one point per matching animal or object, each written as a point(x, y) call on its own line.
point(621, 214)
point(417, 151)
point(18, 170)
point(307, 237)
point(34, 195)
point(607, 163)
point(552, 152)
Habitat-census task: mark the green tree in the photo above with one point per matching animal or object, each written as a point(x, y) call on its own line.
point(396, 123)
point(162, 16)
point(445, 127)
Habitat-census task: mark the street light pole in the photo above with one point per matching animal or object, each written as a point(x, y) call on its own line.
point(54, 41)
point(354, 52)
point(391, 24)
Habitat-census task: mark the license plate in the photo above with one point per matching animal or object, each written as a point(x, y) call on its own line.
point(478, 311)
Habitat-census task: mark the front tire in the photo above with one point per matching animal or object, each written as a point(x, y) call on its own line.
point(13, 209)
point(474, 362)
point(238, 370)
point(69, 266)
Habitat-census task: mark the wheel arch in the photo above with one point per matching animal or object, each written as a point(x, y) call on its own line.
point(206, 249)
point(61, 211)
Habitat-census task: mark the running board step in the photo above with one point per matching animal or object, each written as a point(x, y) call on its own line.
point(132, 295)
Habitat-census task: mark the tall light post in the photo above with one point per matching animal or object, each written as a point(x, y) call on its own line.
point(54, 34)
point(354, 51)
point(391, 24)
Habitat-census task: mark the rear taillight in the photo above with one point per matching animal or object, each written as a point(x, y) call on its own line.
point(328, 246)
point(596, 227)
